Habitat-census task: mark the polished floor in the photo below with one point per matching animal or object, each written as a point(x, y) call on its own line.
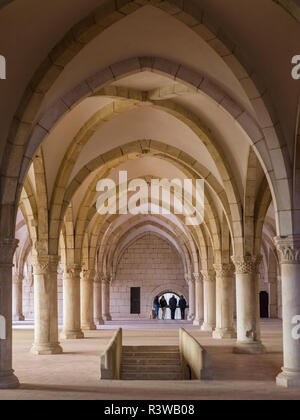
point(75, 374)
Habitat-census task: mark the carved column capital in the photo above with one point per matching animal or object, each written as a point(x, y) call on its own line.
point(188, 278)
point(8, 247)
point(224, 270)
point(72, 271)
point(44, 264)
point(288, 249)
point(106, 279)
point(248, 264)
point(197, 277)
point(98, 277)
point(208, 275)
point(17, 278)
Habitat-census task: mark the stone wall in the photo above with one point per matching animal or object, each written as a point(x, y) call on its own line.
point(152, 264)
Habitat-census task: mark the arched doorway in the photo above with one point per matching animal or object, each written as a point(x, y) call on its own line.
point(168, 296)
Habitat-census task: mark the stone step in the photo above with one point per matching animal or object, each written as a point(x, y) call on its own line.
point(151, 368)
point(153, 376)
point(139, 362)
point(134, 349)
point(150, 355)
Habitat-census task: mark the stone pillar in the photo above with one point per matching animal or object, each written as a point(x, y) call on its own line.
point(45, 305)
point(18, 297)
point(106, 298)
point(209, 288)
point(87, 300)
point(7, 377)
point(224, 301)
point(273, 297)
point(198, 299)
point(71, 295)
point(98, 300)
point(289, 253)
point(248, 313)
point(191, 284)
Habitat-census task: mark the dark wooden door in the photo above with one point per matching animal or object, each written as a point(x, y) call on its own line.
point(264, 304)
point(135, 300)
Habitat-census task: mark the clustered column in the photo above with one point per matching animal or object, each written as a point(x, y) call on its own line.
point(289, 252)
point(7, 377)
point(106, 298)
point(45, 305)
point(191, 285)
point(198, 299)
point(224, 301)
point(71, 291)
point(98, 299)
point(18, 297)
point(209, 287)
point(87, 301)
point(247, 293)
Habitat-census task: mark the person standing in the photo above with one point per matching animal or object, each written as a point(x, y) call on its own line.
point(182, 306)
point(163, 305)
point(173, 306)
point(156, 306)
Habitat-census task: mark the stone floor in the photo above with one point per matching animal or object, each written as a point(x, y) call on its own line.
point(74, 374)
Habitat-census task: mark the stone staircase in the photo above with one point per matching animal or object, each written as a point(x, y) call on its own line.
point(151, 363)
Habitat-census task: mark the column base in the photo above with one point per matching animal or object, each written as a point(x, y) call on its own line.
point(46, 349)
point(191, 317)
point(288, 379)
point(88, 327)
point(8, 380)
point(197, 322)
point(255, 347)
point(223, 333)
point(207, 328)
point(71, 335)
point(99, 321)
point(107, 317)
point(18, 318)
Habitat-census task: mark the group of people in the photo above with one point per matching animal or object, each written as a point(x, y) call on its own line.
point(173, 305)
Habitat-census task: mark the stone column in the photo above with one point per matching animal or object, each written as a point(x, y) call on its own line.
point(98, 299)
point(106, 298)
point(198, 299)
point(289, 252)
point(7, 377)
point(71, 295)
point(45, 305)
point(273, 297)
point(191, 284)
point(209, 288)
point(248, 313)
point(18, 297)
point(224, 301)
point(87, 300)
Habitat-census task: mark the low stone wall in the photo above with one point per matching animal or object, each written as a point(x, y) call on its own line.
point(110, 367)
point(194, 359)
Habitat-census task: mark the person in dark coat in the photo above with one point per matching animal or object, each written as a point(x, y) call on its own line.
point(163, 304)
point(156, 306)
point(173, 306)
point(182, 306)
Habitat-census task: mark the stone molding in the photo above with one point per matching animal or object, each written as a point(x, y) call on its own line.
point(224, 270)
point(288, 249)
point(248, 264)
point(86, 275)
point(45, 264)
